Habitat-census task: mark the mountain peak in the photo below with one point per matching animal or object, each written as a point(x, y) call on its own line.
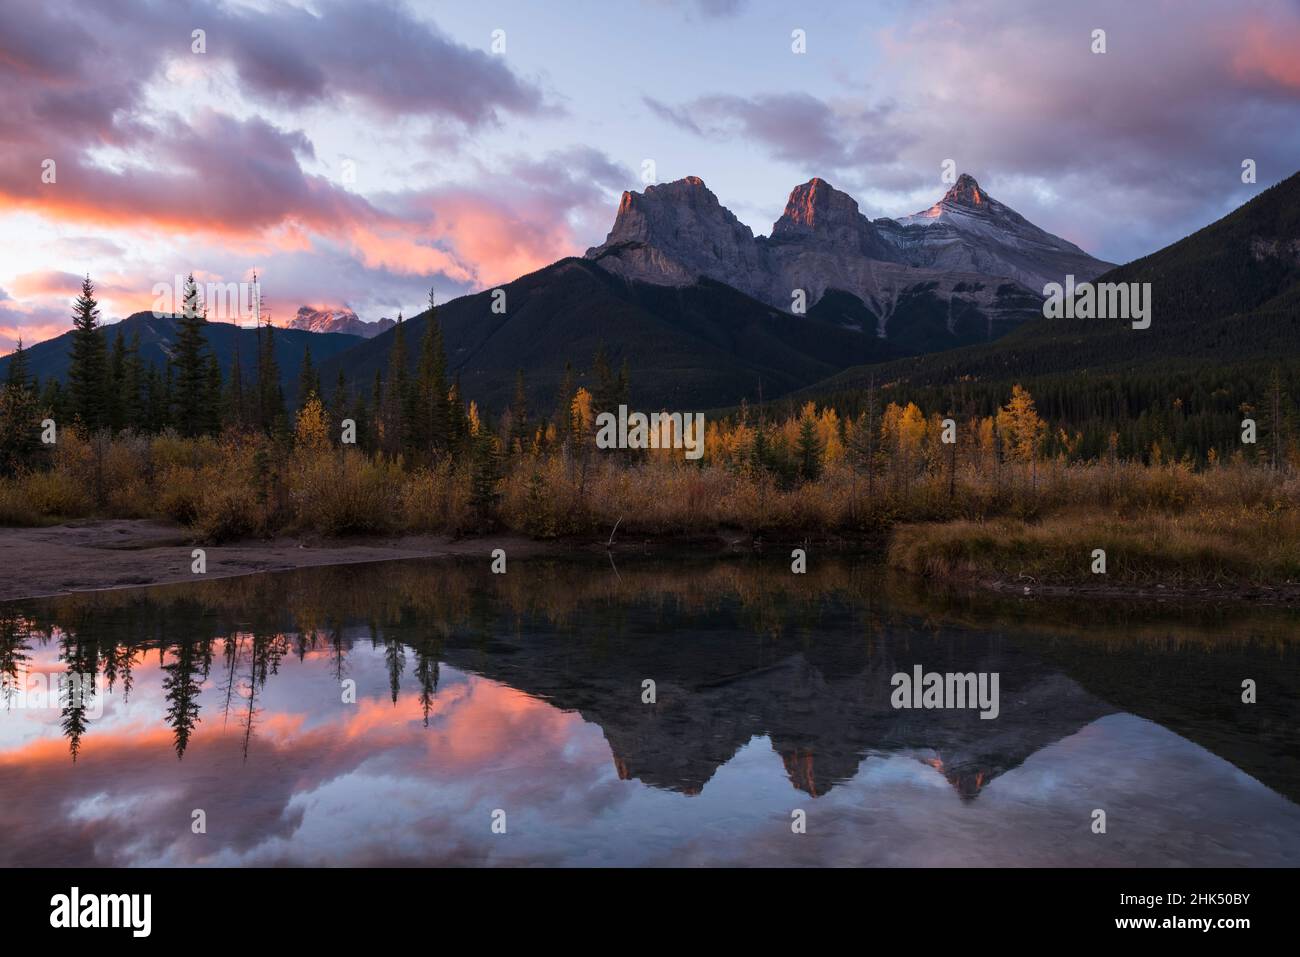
point(966, 192)
point(341, 319)
point(675, 232)
point(815, 205)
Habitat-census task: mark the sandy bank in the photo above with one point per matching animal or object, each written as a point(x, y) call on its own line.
point(118, 553)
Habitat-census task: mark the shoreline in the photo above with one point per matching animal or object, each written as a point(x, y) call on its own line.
point(109, 554)
point(103, 555)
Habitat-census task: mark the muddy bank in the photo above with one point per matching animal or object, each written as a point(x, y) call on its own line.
point(118, 553)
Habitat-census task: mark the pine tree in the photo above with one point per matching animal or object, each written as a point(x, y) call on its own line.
point(18, 375)
point(235, 401)
point(271, 416)
point(339, 401)
point(562, 418)
point(433, 410)
point(88, 370)
point(210, 420)
point(484, 476)
point(397, 395)
point(54, 400)
point(457, 422)
point(157, 402)
point(519, 414)
point(308, 382)
point(116, 383)
point(131, 398)
point(809, 449)
point(605, 387)
point(623, 385)
point(19, 417)
point(190, 368)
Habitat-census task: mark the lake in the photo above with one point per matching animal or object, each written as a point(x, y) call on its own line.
point(651, 712)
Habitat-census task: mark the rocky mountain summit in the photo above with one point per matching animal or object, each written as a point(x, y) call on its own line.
point(337, 320)
point(967, 259)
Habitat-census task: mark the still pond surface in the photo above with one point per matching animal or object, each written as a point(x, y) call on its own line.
point(408, 713)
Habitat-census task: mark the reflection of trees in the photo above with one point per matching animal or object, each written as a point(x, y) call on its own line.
point(427, 655)
point(80, 652)
point(181, 689)
point(428, 609)
point(13, 653)
point(266, 652)
point(395, 663)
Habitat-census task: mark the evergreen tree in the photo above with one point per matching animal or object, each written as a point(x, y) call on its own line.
point(117, 383)
point(54, 400)
point(397, 396)
point(519, 436)
point(271, 415)
point(361, 415)
point(485, 459)
point(190, 368)
point(605, 385)
point(210, 420)
point(235, 402)
point(157, 403)
point(339, 400)
point(809, 449)
point(623, 385)
point(434, 413)
point(19, 417)
point(132, 386)
point(308, 381)
point(562, 418)
point(88, 370)
point(457, 420)
point(18, 375)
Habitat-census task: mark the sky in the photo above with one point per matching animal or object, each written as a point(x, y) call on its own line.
point(358, 152)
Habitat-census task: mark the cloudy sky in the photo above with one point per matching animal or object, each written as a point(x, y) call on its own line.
point(355, 152)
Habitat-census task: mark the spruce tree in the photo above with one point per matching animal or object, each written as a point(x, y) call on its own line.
point(116, 383)
point(519, 415)
point(234, 402)
point(88, 370)
point(190, 368)
point(308, 384)
point(397, 396)
point(210, 420)
point(18, 374)
point(271, 416)
point(339, 401)
point(19, 417)
point(132, 387)
point(809, 449)
point(563, 415)
point(604, 389)
point(434, 422)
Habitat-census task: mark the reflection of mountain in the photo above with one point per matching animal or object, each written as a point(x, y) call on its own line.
point(737, 651)
point(824, 704)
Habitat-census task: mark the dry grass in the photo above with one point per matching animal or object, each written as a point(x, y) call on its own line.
point(1215, 545)
point(1168, 522)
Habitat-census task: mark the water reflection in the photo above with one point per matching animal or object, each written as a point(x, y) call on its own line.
point(523, 693)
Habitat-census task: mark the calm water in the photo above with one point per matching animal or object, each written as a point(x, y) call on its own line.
point(478, 694)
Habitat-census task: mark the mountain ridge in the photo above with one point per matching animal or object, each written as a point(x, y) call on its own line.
point(673, 233)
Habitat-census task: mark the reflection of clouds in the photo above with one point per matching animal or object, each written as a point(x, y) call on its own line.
point(328, 783)
point(375, 771)
point(1168, 802)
